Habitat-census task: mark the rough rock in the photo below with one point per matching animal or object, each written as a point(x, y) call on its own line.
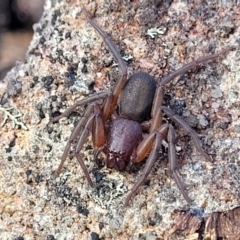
point(67, 60)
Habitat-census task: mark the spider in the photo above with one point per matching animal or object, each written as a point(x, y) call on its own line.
point(127, 125)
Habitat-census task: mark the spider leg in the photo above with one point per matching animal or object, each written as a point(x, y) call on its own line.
point(96, 126)
point(90, 121)
point(172, 162)
point(166, 79)
point(157, 101)
point(156, 112)
point(188, 129)
point(111, 100)
point(148, 167)
point(83, 137)
point(145, 146)
point(74, 135)
point(152, 144)
point(89, 99)
point(164, 129)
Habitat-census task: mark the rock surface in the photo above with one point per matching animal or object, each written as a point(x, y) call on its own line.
point(68, 60)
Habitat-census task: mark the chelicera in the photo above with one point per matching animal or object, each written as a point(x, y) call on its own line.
point(127, 126)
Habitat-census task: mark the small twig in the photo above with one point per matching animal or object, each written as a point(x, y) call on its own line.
point(9, 115)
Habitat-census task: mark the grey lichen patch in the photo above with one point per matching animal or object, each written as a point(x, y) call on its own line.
point(127, 57)
point(80, 86)
point(13, 117)
point(60, 191)
point(153, 32)
point(108, 190)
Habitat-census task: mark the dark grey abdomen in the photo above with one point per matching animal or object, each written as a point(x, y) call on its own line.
point(135, 101)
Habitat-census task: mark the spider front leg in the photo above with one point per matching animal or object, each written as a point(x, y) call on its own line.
point(111, 100)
